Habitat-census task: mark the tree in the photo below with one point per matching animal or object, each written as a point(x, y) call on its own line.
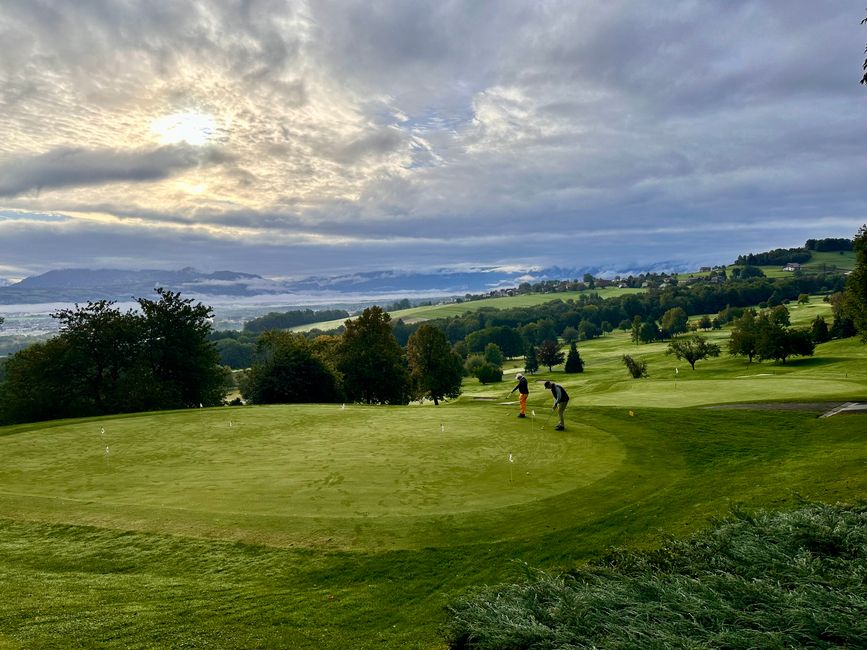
point(570, 334)
point(434, 369)
point(103, 361)
point(744, 337)
point(103, 358)
point(636, 368)
point(674, 322)
point(531, 362)
point(842, 327)
point(776, 342)
point(692, 349)
point(235, 354)
point(648, 332)
point(372, 361)
point(183, 363)
point(819, 330)
point(705, 322)
point(574, 363)
point(587, 330)
point(780, 316)
point(855, 295)
point(37, 386)
point(507, 338)
point(286, 370)
point(494, 355)
point(549, 354)
point(489, 374)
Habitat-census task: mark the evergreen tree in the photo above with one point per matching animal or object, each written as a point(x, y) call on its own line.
point(574, 363)
point(531, 362)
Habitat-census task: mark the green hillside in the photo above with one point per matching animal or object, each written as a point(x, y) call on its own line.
point(324, 526)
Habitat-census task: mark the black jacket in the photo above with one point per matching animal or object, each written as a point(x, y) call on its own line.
point(522, 387)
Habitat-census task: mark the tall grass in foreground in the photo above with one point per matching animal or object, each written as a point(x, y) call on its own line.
point(768, 580)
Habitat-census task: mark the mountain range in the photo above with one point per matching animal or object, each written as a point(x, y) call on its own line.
point(82, 285)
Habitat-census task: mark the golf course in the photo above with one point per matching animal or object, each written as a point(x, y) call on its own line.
point(350, 526)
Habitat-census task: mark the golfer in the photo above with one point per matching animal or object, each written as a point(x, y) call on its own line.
point(561, 399)
point(523, 390)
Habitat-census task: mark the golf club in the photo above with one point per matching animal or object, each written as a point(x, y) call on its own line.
point(548, 419)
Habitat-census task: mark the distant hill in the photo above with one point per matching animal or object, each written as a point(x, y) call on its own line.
point(81, 285)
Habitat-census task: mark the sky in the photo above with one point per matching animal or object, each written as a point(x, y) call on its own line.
point(292, 138)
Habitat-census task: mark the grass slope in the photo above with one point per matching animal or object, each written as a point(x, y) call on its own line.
point(316, 526)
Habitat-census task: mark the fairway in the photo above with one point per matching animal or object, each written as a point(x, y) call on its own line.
point(355, 476)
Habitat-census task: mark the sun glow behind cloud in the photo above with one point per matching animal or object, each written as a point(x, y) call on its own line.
point(192, 128)
point(425, 133)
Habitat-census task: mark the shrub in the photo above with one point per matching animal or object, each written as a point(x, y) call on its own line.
point(637, 369)
point(489, 374)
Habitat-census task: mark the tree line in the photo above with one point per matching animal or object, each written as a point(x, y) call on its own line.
point(107, 361)
point(165, 354)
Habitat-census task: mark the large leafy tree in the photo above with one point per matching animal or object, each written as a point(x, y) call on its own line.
point(693, 349)
point(287, 370)
point(674, 322)
point(435, 370)
point(372, 361)
point(104, 361)
point(744, 336)
point(507, 339)
point(103, 357)
point(37, 385)
point(183, 362)
point(774, 341)
point(856, 285)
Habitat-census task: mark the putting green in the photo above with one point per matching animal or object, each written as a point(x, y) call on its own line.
point(304, 474)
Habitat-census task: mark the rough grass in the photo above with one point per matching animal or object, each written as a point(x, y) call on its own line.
point(770, 580)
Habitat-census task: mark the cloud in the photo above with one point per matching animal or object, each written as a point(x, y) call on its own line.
point(62, 168)
point(401, 133)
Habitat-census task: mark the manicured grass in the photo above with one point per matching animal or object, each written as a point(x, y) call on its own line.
point(318, 526)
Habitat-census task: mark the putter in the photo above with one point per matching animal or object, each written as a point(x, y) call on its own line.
point(547, 419)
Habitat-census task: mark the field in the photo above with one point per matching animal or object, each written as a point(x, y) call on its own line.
point(428, 312)
point(324, 526)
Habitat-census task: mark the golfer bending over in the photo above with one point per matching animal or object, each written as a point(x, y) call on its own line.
point(561, 399)
point(523, 390)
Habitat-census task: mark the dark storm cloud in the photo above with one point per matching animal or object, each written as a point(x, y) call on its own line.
point(80, 167)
